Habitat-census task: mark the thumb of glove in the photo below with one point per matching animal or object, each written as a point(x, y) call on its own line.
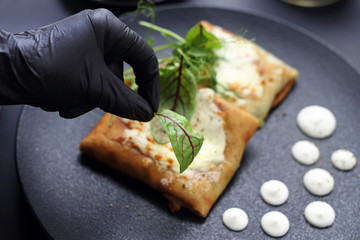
point(119, 99)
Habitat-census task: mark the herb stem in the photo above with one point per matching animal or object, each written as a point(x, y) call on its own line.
point(165, 59)
point(229, 90)
point(162, 47)
point(177, 94)
point(111, 120)
point(163, 31)
point(186, 57)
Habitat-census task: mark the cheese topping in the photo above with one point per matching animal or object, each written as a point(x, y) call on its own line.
point(206, 120)
point(237, 68)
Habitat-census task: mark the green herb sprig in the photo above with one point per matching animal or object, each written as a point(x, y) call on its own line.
point(184, 141)
point(191, 65)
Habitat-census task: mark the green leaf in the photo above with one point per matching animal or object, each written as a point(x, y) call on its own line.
point(196, 50)
point(178, 89)
point(158, 132)
point(185, 143)
point(198, 36)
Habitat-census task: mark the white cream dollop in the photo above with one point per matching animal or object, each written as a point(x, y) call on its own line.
point(319, 214)
point(343, 159)
point(235, 219)
point(275, 224)
point(305, 152)
point(316, 121)
point(274, 192)
point(318, 181)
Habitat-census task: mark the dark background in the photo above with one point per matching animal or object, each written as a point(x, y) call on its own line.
point(338, 25)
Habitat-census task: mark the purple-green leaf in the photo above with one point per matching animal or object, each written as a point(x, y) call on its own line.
point(178, 89)
point(185, 143)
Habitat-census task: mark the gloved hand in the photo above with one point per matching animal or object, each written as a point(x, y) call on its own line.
point(76, 65)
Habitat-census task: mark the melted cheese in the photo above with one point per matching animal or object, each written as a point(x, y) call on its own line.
point(237, 68)
point(206, 120)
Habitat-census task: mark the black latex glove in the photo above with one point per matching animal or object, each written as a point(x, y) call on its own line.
point(76, 65)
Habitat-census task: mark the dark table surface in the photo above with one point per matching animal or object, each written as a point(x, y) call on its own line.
point(338, 25)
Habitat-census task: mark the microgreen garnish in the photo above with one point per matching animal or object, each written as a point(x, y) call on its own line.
point(185, 142)
point(178, 89)
point(158, 132)
point(146, 8)
point(111, 120)
point(191, 65)
point(165, 32)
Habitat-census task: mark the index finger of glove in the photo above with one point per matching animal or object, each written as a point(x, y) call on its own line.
point(123, 44)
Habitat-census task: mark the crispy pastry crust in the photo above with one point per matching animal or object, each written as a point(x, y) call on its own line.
point(198, 193)
point(276, 87)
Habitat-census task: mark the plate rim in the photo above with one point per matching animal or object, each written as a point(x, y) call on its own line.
point(182, 6)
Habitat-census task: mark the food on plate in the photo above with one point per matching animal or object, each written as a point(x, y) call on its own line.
point(275, 224)
point(305, 152)
point(318, 181)
point(274, 192)
point(235, 219)
point(258, 80)
point(129, 147)
point(319, 214)
point(216, 128)
point(316, 121)
point(343, 159)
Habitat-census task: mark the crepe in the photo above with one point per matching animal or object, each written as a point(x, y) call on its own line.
point(227, 122)
point(128, 147)
point(260, 78)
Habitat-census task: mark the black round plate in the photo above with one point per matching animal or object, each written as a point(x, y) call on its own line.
point(75, 197)
point(123, 3)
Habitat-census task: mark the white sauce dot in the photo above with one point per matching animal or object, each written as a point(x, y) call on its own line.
point(305, 152)
point(316, 121)
point(235, 219)
point(274, 192)
point(275, 224)
point(318, 181)
point(343, 159)
point(319, 214)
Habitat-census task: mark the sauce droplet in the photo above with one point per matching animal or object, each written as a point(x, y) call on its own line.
point(274, 192)
point(235, 219)
point(275, 224)
point(305, 152)
point(316, 121)
point(343, 159)
point(318, 181)
point(319, 214)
